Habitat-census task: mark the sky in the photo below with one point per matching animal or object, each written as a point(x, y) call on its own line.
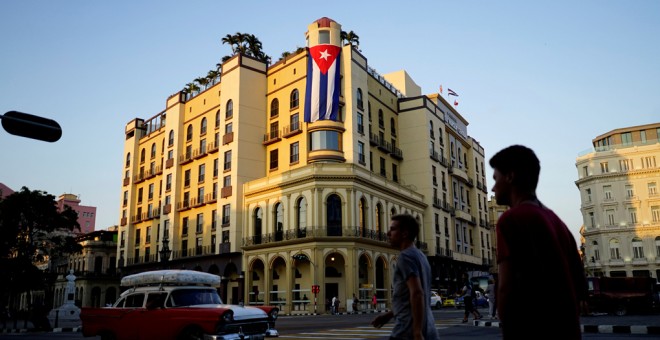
point(551, 75)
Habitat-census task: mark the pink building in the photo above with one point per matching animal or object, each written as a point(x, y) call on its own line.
point(5, 190)
point(86, 215)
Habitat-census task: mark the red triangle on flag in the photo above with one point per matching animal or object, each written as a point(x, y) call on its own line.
point(324, 56)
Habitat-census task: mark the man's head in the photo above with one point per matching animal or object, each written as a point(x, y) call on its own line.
point(403, 228)
point(515, 168)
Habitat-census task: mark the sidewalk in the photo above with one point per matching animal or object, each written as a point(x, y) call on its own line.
point(23, 327)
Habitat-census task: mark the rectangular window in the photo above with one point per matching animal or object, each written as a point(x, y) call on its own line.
point(201, 173)
point(361, 159)
point(653, 191)
point(324, 37)
point(383, 171)
point(395, 173)
point(360, 123)
point(151, 191)
point(225, 236)
point(614, 253)
point(592, 219)
point(170, 154)
point(626, 138)
point(642, 136)
point(227, 160)
point(632, 212)
point(186, 178)
point(587, 194)
point(610, 216)
point(625, 164)
point(214, 219)
point(215, 168)
point(226, 211)
point(229, 128)
point(585, 171)
point(274, 154)
point(607, 190)
point(147, 237)
point(184, 226)
point(630, 192)
point(648, 162)
point(137, 237)
point(293, 150)
point(168, 182)
point(604, 167)
point(295, 122)
point(226, 181)
point(274, 130)
point(655, 213)
point(200, 223)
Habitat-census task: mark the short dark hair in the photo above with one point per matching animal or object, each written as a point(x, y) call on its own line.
point(522, 162)
point(409, 223)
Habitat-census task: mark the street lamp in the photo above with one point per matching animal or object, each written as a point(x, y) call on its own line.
point(165, 251)
point(315, 287)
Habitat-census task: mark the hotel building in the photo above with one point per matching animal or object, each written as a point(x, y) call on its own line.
point(297, 204)
point(618, 183)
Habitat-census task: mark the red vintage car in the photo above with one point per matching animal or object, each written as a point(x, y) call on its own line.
point(176, 304)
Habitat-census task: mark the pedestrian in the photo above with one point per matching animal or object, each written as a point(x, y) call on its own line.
point(374, 301)
point(469, 298)
point(355, 303)
point(411, 293)
point(490, 295)
point(333, 305)
point(531, 236)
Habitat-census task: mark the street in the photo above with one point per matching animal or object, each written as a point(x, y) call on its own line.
point(448, 323)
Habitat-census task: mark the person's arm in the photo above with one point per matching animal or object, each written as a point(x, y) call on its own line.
point(503, 286)
point(382, 319)
point(416, 305)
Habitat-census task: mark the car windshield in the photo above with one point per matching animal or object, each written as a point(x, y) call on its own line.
point(192, 297)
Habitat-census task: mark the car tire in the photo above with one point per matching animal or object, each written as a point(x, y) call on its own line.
point(620, 310)
point(191, 333)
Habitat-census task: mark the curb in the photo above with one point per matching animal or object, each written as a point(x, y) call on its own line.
point(599, 329)
point(340, 313)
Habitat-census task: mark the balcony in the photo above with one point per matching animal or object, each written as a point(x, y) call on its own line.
point(199, 153)
point(183, 205)
point(127, 181)
point(213, 147)
point(139, 178)
point(292, 130)
point(197, 201)
point(225, 192)
point(443, 161)
point(169, 163)
point(227, 138)
point(123, 221)
point(210, 198)
point(443, 252)
point(396, 153)
point(186, 158)
point(373, 139)
point(167, 208)
point(272, 137)
point(318, 233)
point(462, 215)
point(434, 155)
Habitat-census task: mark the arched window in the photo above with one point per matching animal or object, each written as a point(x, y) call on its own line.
point(614, 249)
point(360, 102)
point(279, 222)
point(128, 159)
point(294, 99)
point(189, 133)
point(362, 210)
point(274, 108)
point(229, 112)
point(202, 127)
point(333, 217)
point(170, 140)
point(217, 119)
point(142, 155)
point(258, 218)
point(379, 218)
point(153, 150)
point(301, 217)
point(638, 248)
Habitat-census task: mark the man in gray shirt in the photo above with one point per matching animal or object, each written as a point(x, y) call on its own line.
point(412, 285)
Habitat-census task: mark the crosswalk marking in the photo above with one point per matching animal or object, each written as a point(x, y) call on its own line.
point(358, 332)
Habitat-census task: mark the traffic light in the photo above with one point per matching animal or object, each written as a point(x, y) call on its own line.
point(315, 289)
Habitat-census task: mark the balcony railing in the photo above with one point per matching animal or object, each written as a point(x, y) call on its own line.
point(396, 153)
point(183, 205)
point(310, 233)
point(444, 252)
point(211, 198)
point(225, 192)
point(227, 138)
point(169, 163)
point(292, 130)
point(199, 153)
point(272, 137)
point(186, 158)
point(213, 147)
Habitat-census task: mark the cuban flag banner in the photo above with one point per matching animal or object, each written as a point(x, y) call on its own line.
point(322, 93)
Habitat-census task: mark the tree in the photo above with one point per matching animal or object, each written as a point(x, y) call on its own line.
point(212, 76)
point(202, 81)
point(350, 38)
point(32, 230)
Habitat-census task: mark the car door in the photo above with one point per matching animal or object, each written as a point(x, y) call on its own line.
point(156, 323)
point(131, 318)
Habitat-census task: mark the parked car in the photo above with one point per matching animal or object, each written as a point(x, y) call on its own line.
point(436, 300)
point(176, 304)
point(480, 301)
point(622, 295)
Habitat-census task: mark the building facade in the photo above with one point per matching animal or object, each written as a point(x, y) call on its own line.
point(296, 204)
point(95, 268)
point(618, 183)
point(86, 214)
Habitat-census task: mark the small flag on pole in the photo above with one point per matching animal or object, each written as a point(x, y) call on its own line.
point(440, 89)
point(451, 92)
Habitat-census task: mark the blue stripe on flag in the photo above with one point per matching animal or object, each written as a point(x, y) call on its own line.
point(308, 90)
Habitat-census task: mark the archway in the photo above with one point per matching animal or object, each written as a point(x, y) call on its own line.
point(257, 280)
point(335, 279)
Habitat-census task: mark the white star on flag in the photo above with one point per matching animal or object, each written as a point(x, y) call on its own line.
point(325, 55)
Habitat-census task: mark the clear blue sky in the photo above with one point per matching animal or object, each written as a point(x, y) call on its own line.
point(551, 75)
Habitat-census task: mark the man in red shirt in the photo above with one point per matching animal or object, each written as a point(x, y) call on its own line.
point(541, 277)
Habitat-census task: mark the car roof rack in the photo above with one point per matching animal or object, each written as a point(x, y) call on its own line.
point(171, 277)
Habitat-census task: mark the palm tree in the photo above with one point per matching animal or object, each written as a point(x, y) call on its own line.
point(212, 76)
point(353, 38)
point(203, 81)
point(192, 88)
point(253, 44)
point(231, 41)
